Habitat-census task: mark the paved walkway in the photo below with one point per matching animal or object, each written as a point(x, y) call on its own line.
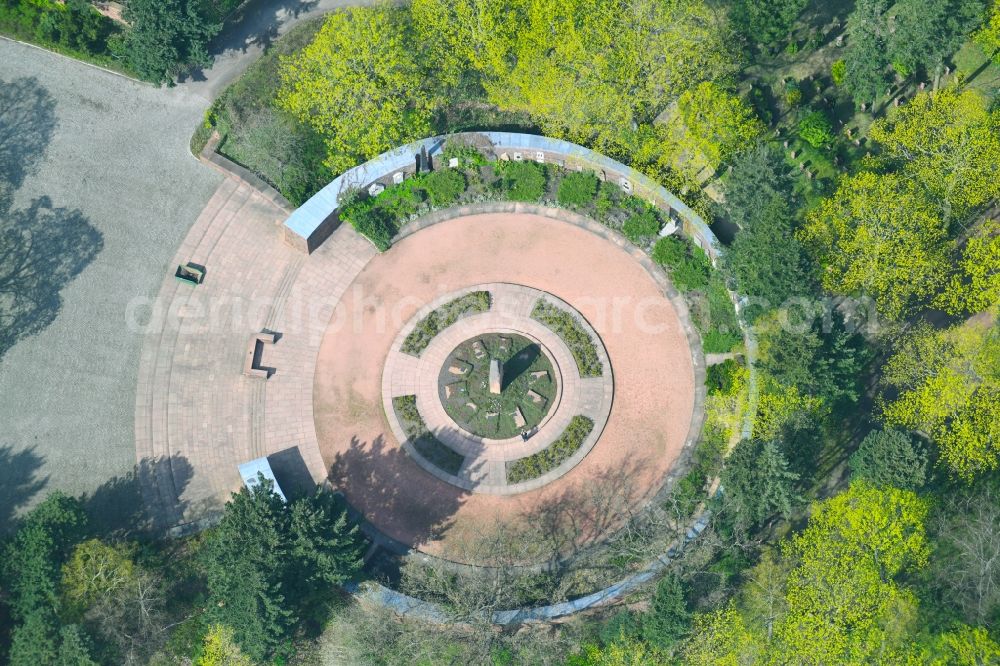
point(194, 407)
point(484, 469)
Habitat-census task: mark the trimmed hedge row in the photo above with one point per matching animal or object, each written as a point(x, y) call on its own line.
point(424, 441)
point(443, 317)
point(566, 326)
point(537, 464)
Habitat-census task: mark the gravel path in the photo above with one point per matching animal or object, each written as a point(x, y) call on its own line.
point(122, 191)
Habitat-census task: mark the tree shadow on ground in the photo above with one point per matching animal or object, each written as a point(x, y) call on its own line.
point(42, 248)
point(27, 122)
point(571, 519)
point(388, 488)
point(145, 499)
point(18, 482)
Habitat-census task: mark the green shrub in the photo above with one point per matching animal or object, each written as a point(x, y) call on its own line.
point(580, 344)
point(716, 319)
point(719, 378)
point(466, 155)
point(838, 71)
point(443, 317)
point(522, 181)
point(641, 226)
point(375, 224)
point(577, 188)
point(688, 265)
point(427, 445)
point(400, 201)
point(607, 196)
point(815, 129)
point(74, 28)
point(793, 94)
point(444, 186)
point(537, 464)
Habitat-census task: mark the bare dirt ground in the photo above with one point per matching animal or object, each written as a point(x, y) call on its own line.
point(654, 376)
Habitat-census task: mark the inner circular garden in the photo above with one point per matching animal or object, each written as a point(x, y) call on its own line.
point(498, 386)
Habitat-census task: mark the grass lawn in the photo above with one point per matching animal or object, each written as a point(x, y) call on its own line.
point(526, 371)
point(978, 70)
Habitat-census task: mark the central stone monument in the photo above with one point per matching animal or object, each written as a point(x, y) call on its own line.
point(496, 376)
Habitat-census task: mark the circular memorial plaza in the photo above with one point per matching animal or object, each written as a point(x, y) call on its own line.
point(491, 366)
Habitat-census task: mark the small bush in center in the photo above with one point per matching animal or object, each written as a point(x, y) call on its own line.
point(522, 181)
point(443, 187)
point(577, 189)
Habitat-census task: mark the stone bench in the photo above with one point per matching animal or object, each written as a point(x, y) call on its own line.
point(255, 351)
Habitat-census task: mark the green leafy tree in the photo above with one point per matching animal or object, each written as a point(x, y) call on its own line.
point(33, 557)
point(360, 85)
point(949, 142)
point(583, 69)
point(166, 37)
point(926, 32)
point(964, 646)
point(220, 649)
point(879, 235)
point(766, 21)
point(266, 562)
point(722, 638)
point(668, 617)
point(988, 37)
point(31, 573)
point(865, 59)
point(890, 458)
point(823, 364)
point(845, 604)
point(768, 261)
point(711, 125)
point(757, 484)
point(975, 284)
point(947, 386)
point(759, 176)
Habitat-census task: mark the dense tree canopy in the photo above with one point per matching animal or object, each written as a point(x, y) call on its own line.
point(866, 59)
point(766, 21)
point(266, 562)
point(166, 37)
point(949, 142)
point(948, 385)
point(586, 69)
point(890, 458)
point(757, 484)
point(710, 125)
point(926, 32)
point(879, 235)
point(975, 284)
point(836, 598)
point(359, 85)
